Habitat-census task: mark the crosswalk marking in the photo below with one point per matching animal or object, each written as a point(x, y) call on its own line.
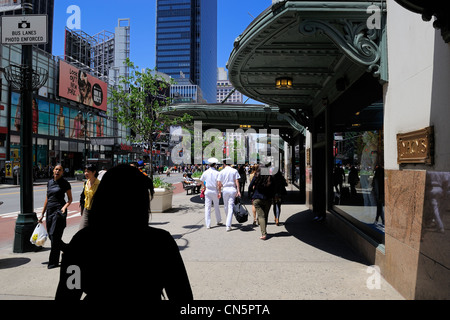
point(70, 214)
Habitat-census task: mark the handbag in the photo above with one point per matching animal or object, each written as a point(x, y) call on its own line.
point(39, 235)
point(202, 194)
point(82, 197)
point(240, 212)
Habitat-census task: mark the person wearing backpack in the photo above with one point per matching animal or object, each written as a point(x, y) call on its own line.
point(262, 191)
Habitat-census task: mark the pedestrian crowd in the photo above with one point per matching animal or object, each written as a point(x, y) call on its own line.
point(264, 191)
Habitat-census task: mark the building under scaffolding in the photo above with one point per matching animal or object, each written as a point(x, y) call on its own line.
point(102, 54)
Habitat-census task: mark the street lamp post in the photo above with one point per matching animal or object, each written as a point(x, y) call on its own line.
point(24, 78)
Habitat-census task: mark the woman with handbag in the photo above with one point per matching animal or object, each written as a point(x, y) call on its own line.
point(262, 190)
point(89, 189)
point(56, 208)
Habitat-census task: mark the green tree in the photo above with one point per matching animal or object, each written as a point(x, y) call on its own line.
point(139, 102)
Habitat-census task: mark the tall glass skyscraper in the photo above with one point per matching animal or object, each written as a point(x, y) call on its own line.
point(186, 42)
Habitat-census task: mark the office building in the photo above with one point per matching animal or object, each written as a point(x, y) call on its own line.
point(225, 89)
point(184, 91)
point(186, 42)
point(103, 54)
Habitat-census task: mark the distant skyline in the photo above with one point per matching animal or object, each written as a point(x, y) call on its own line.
point(233, 17)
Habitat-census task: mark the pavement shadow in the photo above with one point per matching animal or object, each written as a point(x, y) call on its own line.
point(197, 199)
point(13, 262)
point(302, 226)
point(292, 197)
point(150, 223)
point(182, 242)
point(177, 209)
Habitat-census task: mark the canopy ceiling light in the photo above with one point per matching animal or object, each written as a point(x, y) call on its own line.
point(283, 83)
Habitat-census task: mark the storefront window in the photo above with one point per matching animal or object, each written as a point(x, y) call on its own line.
point(358, 178)
point(67, 125)
point(43, 118)
point(60, 121)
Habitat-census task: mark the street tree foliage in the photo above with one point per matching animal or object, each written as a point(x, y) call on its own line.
point(139, 103)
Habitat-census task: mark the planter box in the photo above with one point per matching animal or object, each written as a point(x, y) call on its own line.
point(162, 200)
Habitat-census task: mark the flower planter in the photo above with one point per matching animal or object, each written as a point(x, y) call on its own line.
point(162, 200)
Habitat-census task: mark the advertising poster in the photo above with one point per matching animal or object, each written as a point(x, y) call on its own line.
point(79, 86)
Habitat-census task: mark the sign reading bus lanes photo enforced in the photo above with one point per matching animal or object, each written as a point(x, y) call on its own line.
point(79, 86)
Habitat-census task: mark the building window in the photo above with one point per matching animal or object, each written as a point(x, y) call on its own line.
point(358, 171)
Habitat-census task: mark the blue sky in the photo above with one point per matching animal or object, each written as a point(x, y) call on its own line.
point(233, 16)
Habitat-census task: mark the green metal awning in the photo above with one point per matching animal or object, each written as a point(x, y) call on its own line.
point(233, 116)
point(322, 46)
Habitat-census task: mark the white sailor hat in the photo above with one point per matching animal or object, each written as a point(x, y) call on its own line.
point(212, 160)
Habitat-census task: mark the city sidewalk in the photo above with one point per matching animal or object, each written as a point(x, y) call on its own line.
point(301, 260)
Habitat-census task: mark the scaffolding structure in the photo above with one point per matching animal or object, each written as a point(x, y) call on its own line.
point(103, 52)
point(78, 48)
point(95, 54)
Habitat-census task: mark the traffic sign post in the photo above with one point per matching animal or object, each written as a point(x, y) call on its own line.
point(24, 29)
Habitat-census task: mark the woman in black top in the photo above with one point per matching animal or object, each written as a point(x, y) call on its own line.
point(118, 256)
point(56, 208)
point(280, 185)
point(261, 190)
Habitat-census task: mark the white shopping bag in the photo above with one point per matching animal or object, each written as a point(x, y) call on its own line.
point(39, 235)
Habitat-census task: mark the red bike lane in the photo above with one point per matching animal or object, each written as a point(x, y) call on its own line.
point(8, 224)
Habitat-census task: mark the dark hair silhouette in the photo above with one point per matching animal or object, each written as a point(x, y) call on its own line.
point(123, 193)
point(122, 259)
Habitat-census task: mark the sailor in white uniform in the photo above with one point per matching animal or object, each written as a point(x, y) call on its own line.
point(228, 183)
point(209, 179)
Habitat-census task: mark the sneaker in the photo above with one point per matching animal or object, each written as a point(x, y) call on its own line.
point(228, 229)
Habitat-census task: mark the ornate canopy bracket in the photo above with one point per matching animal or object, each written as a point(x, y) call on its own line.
point(299, 120)
point(353, 37)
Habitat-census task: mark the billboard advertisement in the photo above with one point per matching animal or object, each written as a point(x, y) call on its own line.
point(79, 86)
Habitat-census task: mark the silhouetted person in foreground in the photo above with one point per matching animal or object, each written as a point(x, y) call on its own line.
point(118, 257)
